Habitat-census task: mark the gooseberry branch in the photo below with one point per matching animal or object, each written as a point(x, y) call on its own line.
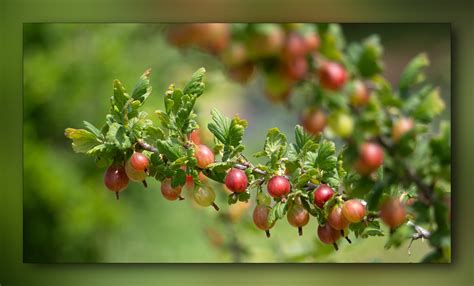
point(343, 190)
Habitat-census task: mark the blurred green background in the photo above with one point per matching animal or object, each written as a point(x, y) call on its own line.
point(69, 216)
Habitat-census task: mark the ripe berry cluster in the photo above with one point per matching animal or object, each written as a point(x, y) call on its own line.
point(288, 54)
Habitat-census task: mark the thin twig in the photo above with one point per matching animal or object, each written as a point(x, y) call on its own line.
point(420, 232)
point(426, 191)
point(254, 170)
point(147, 146)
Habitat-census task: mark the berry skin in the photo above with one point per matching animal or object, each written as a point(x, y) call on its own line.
point(370, 158)
point(168, 191)
point(212, 37)
point(332, 75)
point(195, 137)
point(322, 194)
point(359, 95)
point(313, 121)
point(311, 41)
point(234, 55)
point(401, 127)
point(277, 87)
point(278, 186)
point(294, 46)
point(298, 217)
point(266, 41)
point(205, 197)
point(139, 162)
point(353, 210)
point(236, 180)
point(133, 174)
point(260, 218)
point(393, 213)
point(336, 219)
point(115, 178)
point(328, 235)
point(342, 124)
point(204, 156)
point(295, 68)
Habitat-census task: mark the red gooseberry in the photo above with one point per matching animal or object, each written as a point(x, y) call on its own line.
point(328, 235)
point(260, 218)
point(322, 194)
point(169, 192)
point(139, 161)
point(336, 219)
point(392, 213)
point(204, 156)
point(236, 180)
point(332, 75)
point(115, 179)
point(353, 210)
point(278, 186)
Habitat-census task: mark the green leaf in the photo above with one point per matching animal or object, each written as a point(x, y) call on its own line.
point(97, 150)
point(164, 119)
point(93, 129)
point(232, 198)
point(400, 235)
point(153, 133)
point(326, 158)
point(310, 208)
point(179, 179)
point(277, 212)
point(195, 85)
point(117, 136)
point(340, 166)
point(137, 125)
point(275, 146)
point(217, 171)
point(440, 144)
point(172, 150)
point(244, 196)
point(82, 140)
point(331, 41)
point(413, 72)
point(364, 230)
point(367, 57)
point(228, 132)
point(215, 175)
point(385, 93)
point(185, 114)
point(120, 96)
point(142, 88)
point(305, 142)
point(430, 106)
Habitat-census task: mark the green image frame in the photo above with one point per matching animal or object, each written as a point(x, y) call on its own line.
point(15, 13)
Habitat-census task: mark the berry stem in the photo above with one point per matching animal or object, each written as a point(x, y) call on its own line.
point(145, 184)
point(300, 231)
point(335, 246)
point(117, 196)
point(267, 232)
point(215, 206)
point(180, 198)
